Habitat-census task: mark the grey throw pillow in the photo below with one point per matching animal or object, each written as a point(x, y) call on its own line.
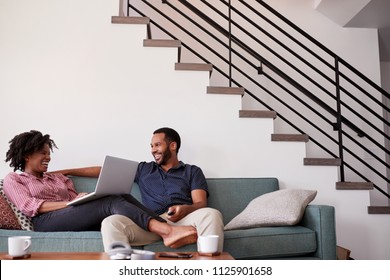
point(278, 208)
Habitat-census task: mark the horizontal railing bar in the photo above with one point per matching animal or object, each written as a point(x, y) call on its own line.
point(325, 49)
point(315, 99)
point(283, 75)
point(297, 98)
point(273, 68)
point(367, 150)
point(365, 92)
point(366, 179)
point(367, 80)
point(365, 106)
point(277, 41)
point(287, 63)
point(302, 89)
point(289, 36)
point(296, 28)
point(370, 110)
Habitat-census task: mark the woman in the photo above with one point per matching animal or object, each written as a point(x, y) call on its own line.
point(44, 196)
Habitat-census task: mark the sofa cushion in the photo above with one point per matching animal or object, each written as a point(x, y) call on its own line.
point(58, 241)
point(259, 243)
point(8, 219)
point(24, 221)
point(270, 242)
point(84, 184)
point(278, 208)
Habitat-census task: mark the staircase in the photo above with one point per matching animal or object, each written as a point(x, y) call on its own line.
point(240, 90)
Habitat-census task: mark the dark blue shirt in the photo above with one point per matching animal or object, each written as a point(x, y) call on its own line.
point(160, 189)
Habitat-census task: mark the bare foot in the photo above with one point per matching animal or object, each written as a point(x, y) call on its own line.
point(180, 236)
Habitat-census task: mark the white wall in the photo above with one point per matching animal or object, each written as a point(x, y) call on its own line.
point(340, 11)
point(67, 71)
point(385, 70)
point(348, 43)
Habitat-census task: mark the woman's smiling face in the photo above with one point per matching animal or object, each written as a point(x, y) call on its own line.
point(37, 163)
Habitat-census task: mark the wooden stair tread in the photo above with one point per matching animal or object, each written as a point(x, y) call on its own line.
point(226, 90)
point(164, 43)
point(354, 186)
point(322, 161)
point(290, 137)
point(193, 66)
point(130, 20)
point(378, 209)
point(257, 114)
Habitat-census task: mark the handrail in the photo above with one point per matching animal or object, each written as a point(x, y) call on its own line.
point(241, 50)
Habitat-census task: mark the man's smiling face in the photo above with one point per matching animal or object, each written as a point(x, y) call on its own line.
point(160, 149)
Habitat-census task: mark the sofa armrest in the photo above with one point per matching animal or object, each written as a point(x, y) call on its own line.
point(321, 219)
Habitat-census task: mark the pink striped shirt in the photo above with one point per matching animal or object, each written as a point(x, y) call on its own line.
point(28, 192)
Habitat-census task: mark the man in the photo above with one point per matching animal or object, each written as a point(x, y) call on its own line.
point(176, 191)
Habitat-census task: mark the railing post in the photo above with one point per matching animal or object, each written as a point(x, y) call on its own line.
point(128, 8)
point(339, 118)
point(121, 8)
point(230, 44)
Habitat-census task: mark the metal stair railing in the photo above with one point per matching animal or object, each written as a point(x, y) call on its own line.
point(315, 79)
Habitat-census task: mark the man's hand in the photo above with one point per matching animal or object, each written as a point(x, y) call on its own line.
point(178, 212)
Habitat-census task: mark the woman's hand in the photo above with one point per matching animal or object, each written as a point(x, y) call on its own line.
point(81, 195)
point(49, 206)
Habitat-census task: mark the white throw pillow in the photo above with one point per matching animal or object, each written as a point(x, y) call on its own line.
point(278, 208)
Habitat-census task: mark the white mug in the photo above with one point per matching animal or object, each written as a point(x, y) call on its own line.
point(18, 246)
point(208, 244)
point(143, 255)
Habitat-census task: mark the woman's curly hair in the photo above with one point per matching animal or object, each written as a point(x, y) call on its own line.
point(25, 144)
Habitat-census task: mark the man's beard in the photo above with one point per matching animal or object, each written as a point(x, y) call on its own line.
point(165, 157)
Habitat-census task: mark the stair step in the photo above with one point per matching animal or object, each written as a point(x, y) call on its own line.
point(322, 161)
point(226, 90)
point(290, 137)
point(193, 66)
point(130, 20)
point(162, 43)
point(257, 114)
point(354, 186)
point(378, 209)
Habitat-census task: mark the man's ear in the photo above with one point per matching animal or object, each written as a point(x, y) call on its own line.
point(173, 146)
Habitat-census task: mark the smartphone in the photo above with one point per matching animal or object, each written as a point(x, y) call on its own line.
point(175, 255)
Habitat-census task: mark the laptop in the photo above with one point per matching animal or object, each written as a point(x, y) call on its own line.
point(116, 177)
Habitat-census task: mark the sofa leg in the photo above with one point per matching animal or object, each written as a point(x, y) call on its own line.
point(343, 253)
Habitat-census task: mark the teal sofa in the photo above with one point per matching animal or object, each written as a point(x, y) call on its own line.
point(313, 238)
